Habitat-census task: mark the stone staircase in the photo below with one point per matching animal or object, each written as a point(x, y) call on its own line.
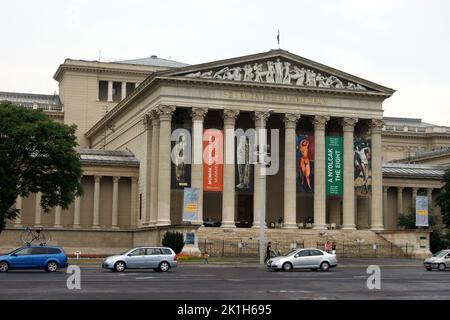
point(245, 241)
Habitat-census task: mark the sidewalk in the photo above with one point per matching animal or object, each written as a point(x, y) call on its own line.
point(241, 262)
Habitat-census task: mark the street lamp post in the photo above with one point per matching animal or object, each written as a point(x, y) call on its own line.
point(262, 186)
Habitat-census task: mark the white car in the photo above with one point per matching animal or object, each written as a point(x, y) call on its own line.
point(439, 260)
point(310, 258)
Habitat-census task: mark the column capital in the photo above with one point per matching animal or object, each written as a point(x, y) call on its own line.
point(348, 124)
point(430, 190)
point(198, 114)
point(376, 125)
point(97, 179)
point(258, 116)
point(415, 189)
point(116, 179)
point(290, 120)
point(229, 116)
point(165, 112)
point(134, 180)
point(320, 122)
point(400, 189)
point(385, 189)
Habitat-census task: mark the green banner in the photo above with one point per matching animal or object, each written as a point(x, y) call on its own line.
point(334, 165)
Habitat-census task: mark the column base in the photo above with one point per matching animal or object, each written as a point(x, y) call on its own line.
point(95, 227)
point(115, 227)
point(57, 226)
point(76, 226)
point(348, 227)
point(379, 227)
point(228, 224)
point(18, 225)
point(256, 226)
point(290, 226)
point(38, 226)
point(320, 227)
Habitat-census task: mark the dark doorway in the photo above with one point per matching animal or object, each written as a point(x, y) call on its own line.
point(244, 211)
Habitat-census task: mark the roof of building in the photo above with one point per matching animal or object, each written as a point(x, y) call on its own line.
point(407, 122)
point(154, 61)
point(413, 170)
point(33, 100)
point(108, 157)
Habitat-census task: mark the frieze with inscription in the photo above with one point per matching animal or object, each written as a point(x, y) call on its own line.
point(279, 72)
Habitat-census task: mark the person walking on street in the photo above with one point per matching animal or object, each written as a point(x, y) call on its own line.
point(268, 249)
point(328, 247)
point(205, 257)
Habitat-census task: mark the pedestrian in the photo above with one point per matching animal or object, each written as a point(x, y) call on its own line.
point(328, 247)
point(268, 250)
point(333, 251)
point(205, 257)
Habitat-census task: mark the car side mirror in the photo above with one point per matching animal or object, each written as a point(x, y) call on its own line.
point(13, 255)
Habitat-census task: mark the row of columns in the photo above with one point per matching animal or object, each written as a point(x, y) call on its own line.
point(158, 124)
point(123, 92)
point(77, 207)
point(400, 206)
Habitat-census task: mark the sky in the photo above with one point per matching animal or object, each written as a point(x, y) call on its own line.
point(404, 45)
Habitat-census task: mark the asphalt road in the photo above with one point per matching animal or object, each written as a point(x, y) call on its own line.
point(398, 281)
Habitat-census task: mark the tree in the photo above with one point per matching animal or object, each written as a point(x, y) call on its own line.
point(36, 155)
point(443, 199)
point(173, 240)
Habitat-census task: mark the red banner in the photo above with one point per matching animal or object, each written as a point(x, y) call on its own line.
point(212, 160)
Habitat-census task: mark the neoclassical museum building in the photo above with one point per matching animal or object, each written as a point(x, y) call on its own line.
point(336, 168)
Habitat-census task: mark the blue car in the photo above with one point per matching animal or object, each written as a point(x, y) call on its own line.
point(34, 257)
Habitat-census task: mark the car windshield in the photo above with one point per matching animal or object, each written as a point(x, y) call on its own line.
point(292, 252)
point(440, 253)
point(9, 253)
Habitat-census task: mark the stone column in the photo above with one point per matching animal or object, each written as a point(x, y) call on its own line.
point(414, 197)
point(257, 116)
point(110, 91)
point(96, 212)
point(377, 176)
point(38, 211)
point(18, 220)
point(348, 203)
point(124, 90)
point(399, 201)
point(164, 164)
point(290, 173)
point(57, 223)
point(430, 198)
point(198, 116)
point(133, 201)
point(385, 203)
point(77, 212)
point(115, 203)
point(147, 123)
point(154, 167)
point(319, 173)
point(228, 195)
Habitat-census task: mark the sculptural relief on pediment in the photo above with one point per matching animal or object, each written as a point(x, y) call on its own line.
point(278, 72)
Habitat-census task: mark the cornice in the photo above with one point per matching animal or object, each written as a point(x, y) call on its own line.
point(91, 69)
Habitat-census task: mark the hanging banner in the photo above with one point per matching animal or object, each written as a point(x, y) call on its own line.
point(363, 171)
point(422, 211)
point(180, 160)
point(190, 204)
point(213, 160)
point(334, 165)
point(244, 169)
point(304, 146)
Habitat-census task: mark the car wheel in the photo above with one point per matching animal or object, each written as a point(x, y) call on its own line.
point(52, 266)
point(441, 267)
point(287, 266)
point(119, 266)
point(164, 266)
point(4, 266)
point(325, 266)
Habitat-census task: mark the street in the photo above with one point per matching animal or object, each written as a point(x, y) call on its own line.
point(405, 279)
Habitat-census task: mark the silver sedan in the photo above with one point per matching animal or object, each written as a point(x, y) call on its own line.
point(157, 258)
point(309, 258)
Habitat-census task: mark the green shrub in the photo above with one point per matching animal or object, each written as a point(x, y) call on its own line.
point(173, 240)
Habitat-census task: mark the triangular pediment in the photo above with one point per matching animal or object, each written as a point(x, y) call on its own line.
point(279, 67)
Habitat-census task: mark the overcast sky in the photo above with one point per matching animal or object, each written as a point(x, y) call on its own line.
point(404, 45)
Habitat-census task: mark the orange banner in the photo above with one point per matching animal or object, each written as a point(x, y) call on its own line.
point(212, 160)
